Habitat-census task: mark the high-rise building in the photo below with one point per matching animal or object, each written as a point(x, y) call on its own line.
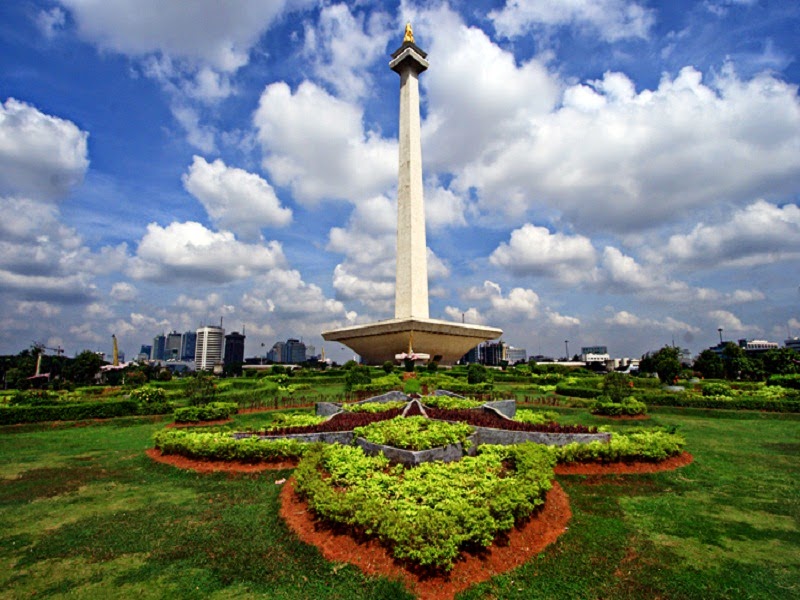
point(145, 352)
point(516, 355)
point(172, 346)
point(188, 344)
point(494, 353)
point(294, 352)
point(234, 348)
point(208, 350)
point(159, 347)
point(275, 355)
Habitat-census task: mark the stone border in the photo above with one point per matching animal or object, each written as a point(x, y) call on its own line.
point(449, 453)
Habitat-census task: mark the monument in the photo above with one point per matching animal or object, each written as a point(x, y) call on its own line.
point(443, 341)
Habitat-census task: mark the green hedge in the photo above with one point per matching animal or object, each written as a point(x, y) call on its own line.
point(207, 412)
point(787, 381)
point(575, 391)
point(71, 412)
point(725, 402)
point(223, 446)
point(644, 445)
point(629, 406)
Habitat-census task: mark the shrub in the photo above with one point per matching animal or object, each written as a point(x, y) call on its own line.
point(477, 374)
point(716, 389)
point(212, 411)
point(68, 412)
point(412, 386)
point(629, 406)
point(414, 433)
point(283, 420)
point(223, 446)
point(616, 386)
point(427, 514)
point(787, 381)
point(34, 398)
point(357, 375)
point(653, 445)
point(575, 391)
point(450, 402)
point(201, 389)
point(535, 418)
point(148, 395)
point(373, 407)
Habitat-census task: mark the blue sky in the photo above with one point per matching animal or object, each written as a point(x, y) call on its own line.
point(607, 172)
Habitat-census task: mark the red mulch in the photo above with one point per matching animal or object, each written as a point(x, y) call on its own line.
point(216, 466)
point(622, 468)
point(199, 423)
point(373, 559)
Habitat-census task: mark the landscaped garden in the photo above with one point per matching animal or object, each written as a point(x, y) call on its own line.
point(85, 512)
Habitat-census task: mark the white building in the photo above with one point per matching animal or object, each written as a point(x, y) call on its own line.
point(208, 351)
point(516, 355)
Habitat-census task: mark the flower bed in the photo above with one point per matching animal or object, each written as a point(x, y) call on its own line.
point(427, 514)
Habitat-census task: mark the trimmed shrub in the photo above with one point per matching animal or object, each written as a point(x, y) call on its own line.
point(212, 411)
point(574, 391)
point(787, 381)
point(653, 445)
point(629, 406)
point(68, 412)
point(223, 446)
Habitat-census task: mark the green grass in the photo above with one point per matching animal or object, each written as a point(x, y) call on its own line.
point(85, 514)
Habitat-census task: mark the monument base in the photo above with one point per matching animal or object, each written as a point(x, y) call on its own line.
point(445, 342)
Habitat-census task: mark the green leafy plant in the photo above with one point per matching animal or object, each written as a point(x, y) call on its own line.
point(535, 418)
point(449, 402)
point(223, 446)
point(212, 411)
point(629, 406)
point(374, 407)
point(414, 433)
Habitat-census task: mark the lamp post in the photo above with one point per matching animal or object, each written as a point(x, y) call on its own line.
point(719, 329)
point(566, 349)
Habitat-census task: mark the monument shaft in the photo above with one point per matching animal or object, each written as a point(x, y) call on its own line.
point(411, 289)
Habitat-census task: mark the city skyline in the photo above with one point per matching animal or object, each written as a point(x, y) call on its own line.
point(609, 173)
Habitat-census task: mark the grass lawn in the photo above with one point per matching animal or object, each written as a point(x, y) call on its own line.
point(85, 514)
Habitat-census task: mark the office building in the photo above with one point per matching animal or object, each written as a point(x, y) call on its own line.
point(209, 347)
point(234, 348)
point(159, 347)
point(188, 345)
point(172, 346)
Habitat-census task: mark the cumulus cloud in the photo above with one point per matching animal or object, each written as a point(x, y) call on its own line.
point(189, 251)
point(122, 291)
point(730, 323)
point(759, 233)
point(41, 156)
point(616, 160)
point(443, 208)
point(341, 45)
point(204, 31)
point(38, 309)
point(613, 20)
point(235, 200)
point(478, 97)
point(534, 250)
point(316, 144)
point(626, 319)
point(471, 315)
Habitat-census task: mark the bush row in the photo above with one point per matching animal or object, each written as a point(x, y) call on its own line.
point(222, 446)
point(724, 402)
point(644, 445)
point(12, 415)
point(208, 412)
point(787, 381)
point(575, 391)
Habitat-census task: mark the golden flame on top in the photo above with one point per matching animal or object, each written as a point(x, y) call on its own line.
point(409, 35)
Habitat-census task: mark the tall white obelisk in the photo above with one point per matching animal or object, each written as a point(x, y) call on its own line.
point(444, 342)
point(411, 290)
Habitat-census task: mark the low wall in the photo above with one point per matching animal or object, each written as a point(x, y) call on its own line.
point(487, 435)
point(449, 453)
point(328, 437)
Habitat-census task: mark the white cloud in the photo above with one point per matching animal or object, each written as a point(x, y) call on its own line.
point(443, 208)
point(341, 45)
point(533, 250)
point(215, 33)
point(614, 20)
point(520, 301)
point(212, 304)
point(760, 233)
point(624, 318)
point(316, 144)
point(122, 291)
point(236, 200)
point(50, 21)
point(41, 156)
point(730, 323)
point(611, 159)
point(198, 135)
point(471, 315)
point(189, 251)
point(38, 309)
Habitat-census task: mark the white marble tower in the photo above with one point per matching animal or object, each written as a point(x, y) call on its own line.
point(443, 341)
point(411, 291)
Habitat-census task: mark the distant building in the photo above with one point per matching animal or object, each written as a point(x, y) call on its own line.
point(294, 352)
point(144, 352)
point(188, 345)
point(594, 350)
point(209, 347)
point(471, 357)
point(793, 344)
point(159, 347)
point(494, 353)
point(172, 346)
point(275, 355)
point(234, 348)
point(754, 347)
point(592, 358)
point(516, 355)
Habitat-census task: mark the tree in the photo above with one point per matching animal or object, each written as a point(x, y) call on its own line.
point(666, 363)
point(201, 389)
point(388, 367)
point(709, 365)
point(617, 386)
point(357, 375)
point(781, 361)
point(477, 374)
point(83, 368)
